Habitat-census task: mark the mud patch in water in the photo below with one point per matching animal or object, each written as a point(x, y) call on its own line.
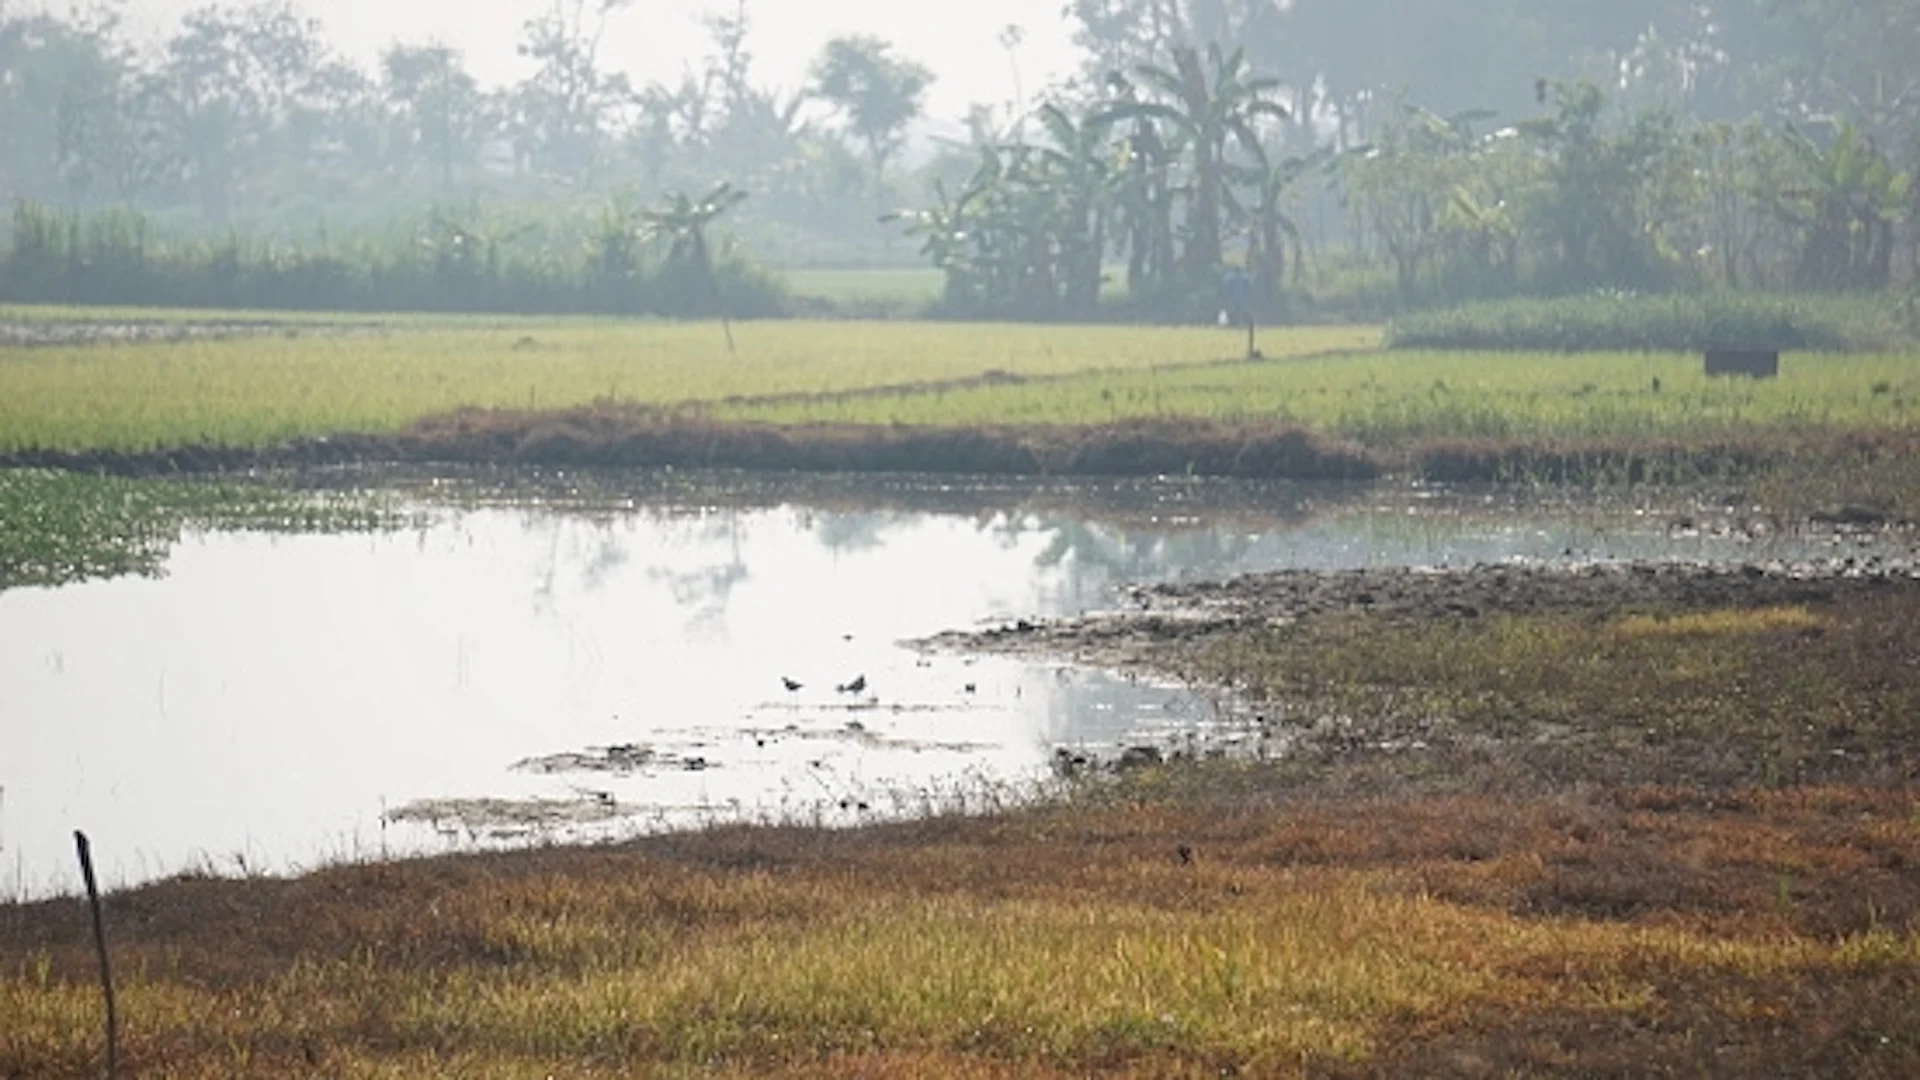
point(623, 760)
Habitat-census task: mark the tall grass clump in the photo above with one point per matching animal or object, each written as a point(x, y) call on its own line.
point(1635, 322)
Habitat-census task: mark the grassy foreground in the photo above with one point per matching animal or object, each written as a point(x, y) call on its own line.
point(1433, 937)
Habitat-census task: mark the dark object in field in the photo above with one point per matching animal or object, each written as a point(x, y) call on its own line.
point(792, 685)
point(858, 685)
point(85, 849)
point(1754, 363)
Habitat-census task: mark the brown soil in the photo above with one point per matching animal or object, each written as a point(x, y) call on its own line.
point(628, 437)
point(631, 436)
point(1162, 617)
point(1385, 735)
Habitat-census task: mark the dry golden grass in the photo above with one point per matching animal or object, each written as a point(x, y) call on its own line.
point(1711, 623)
point(1116, 937)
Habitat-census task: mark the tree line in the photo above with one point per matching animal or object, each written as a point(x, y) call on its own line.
point(1373, 154)
point(1179, 174)
point(1216, 148)
point(246, 116)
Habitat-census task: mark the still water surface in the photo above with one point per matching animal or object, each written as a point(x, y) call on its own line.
point(538, 667)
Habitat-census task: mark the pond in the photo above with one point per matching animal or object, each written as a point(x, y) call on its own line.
point(552, 658)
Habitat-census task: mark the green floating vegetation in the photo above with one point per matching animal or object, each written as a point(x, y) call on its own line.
point(59, 528)
point(1636, 322)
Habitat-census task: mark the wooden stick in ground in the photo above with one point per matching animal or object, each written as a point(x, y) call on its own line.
point(100, 944)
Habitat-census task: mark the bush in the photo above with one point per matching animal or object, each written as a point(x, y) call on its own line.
point(1633, 322)
point(116, 258)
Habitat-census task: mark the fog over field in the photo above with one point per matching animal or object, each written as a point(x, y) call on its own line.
point(1028, 158)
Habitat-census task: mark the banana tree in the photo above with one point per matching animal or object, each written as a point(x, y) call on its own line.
point(1078, 169)
point(1848, 206)
point(1481, 242)
point(687, 277)
point(947, 235)
point(1272, 234)
point(1145, 192)
point(1215, 104)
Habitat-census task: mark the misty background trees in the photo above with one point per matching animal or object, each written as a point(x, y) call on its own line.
point(1345, 156)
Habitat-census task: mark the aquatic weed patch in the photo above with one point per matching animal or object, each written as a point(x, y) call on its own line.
point(58, 527)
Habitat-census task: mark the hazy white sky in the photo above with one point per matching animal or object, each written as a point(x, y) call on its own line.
point(656, 39)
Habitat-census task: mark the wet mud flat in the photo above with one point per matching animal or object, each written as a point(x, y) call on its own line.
point(1163, 616)
point(1531, 680)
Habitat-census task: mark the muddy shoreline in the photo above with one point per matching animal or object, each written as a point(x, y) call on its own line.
point(1164, 614)
point(1382, 738)
point(622, 436)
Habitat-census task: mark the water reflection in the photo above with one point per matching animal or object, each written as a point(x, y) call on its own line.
point(274, 701)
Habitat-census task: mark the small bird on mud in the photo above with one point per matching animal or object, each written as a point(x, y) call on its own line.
point(857, 686)
point(792, 685)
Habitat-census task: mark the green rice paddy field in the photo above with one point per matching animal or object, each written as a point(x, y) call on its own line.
point(1388, 399)
point(309, 378)
point(260, 389)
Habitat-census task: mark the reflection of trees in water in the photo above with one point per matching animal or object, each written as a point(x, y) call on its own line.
point(589, 551)
point(595, 553)
point(1090, 537)
point(1088, 558)
point(607, 556)
point(845, 533)
point(705, 591)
